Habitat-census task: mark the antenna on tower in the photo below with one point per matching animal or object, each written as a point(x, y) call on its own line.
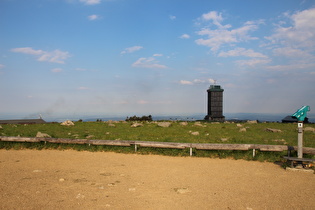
point(215, 82)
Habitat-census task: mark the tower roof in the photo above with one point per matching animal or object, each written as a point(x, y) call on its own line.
point(215, 88)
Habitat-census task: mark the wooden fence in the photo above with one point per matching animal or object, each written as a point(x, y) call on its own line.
point(173, 145)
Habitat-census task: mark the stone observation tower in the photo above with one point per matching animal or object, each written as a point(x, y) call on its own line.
point(215, 103)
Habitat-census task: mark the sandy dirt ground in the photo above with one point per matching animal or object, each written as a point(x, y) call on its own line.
point(50, 179)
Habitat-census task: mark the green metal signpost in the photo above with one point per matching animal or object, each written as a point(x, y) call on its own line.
point(300, 116)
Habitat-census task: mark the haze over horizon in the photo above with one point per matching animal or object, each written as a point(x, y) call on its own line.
point(155, 57)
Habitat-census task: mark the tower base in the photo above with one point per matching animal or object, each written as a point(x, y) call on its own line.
point(215, 118)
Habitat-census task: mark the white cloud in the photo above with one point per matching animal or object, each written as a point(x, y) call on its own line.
point(93, 17)
point(253, 62)
point(157, 55)
point(172, 17)
point(184, 36)
point(55, 56)
point(300, 34)
point(185, 82)
point(290, 67)
point(292, 53)
point(148, 63)
point(28, 50)
point(196, 81)
point(215, 17)
point(83, 88)
point(223, 34)
point(2, 66)
point(131, 49)
point(56, 70)
point(242, 52)
point(90, 2)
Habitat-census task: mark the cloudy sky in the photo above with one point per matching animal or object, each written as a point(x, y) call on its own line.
point(155, 57)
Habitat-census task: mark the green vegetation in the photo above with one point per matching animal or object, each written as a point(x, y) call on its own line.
point(224, 133)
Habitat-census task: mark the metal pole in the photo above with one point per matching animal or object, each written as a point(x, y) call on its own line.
point(300, 139)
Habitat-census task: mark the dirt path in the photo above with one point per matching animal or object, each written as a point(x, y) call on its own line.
point(51, 179)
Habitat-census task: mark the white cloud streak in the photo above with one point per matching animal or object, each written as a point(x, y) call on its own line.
point(172, 17)
point(55, 56)
point(242, 52)
point(150, 63)
point(253, 62)
point(56, 70)
point(197, 81)
point(184, 36)
point(131, 49)
point(93, 17)
point(91, 2)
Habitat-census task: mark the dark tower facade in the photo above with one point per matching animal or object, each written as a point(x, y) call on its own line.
point(215, 103)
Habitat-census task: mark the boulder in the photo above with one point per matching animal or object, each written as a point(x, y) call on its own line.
point(111, 125)
point(183, 123)
point(224, 139)
point(67, 123)
point(164, 124)
point(42, 135)
point(252, 121)
point(309, 129)
point(199, 124)
point(239, 125)
point(135, 125)
point(273, 130)
point(196, 133)
point(242, 130)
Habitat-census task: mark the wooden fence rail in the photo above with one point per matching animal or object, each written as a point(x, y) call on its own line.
point(173, 145)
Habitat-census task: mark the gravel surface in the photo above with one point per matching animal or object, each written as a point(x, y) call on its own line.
point(52, 179)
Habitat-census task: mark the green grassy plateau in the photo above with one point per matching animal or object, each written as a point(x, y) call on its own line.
point(225, 133)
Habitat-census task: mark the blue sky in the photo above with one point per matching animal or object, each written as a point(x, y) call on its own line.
point(125, 57)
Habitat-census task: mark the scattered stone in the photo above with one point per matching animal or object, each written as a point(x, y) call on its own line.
point(183, 123)
point(252, 121)
point(107, 133)
point(80, 196)
point(67, 123)
point(199, 124)
point(1, 127)
point(224, 139)
point(280, 140)
point(37, 171)
point(309, 129)
point(42, 135)
point(215, 123)
point(196, 133)
point(61, 180)
point(76, 135)
point(111, 125)
point(90, 136)
point(274, 130)
point(239, 125)
point(132, 189)
point(164, 124)
point(135, 125)
point(242, 130)
point(182, 190)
